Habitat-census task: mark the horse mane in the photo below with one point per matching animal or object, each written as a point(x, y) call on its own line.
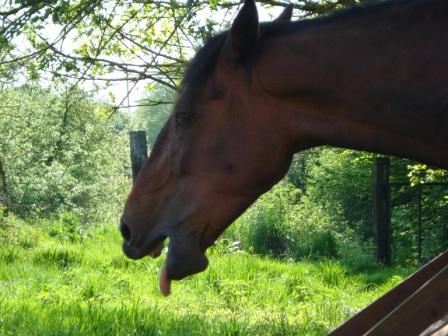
point(197, 72)
point(203, 63)
point(379, 12)
point(204, 60)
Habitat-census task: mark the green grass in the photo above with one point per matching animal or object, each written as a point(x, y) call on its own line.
point(51, 285)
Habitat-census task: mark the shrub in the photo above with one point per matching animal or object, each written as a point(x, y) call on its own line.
point(68, 227)
point(283, 224)
point(312, 231)
point(340, 182)
point(358, 256)
point(14, 231)
point(226, 246)
point(262, 228)
point(324, 244)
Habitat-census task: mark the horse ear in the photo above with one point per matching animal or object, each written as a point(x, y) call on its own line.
point(286, 14)
point(244, 33)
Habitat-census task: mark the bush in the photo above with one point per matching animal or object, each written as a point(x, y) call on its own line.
point(358, 256)
point(312, 231)
point(324, 244)
point(339, 182)
point(283, 224)
point(14, 231)
point(262, 229)
point(68, 227)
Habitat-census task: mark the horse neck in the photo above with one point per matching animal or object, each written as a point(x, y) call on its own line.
point(380, 86)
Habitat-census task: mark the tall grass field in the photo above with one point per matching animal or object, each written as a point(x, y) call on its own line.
point(59, 281)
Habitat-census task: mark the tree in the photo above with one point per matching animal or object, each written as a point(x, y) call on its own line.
point(115, 40)
point(338, 183)
point(61, 152)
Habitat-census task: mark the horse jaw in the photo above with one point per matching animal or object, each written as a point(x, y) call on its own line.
point(185, 256)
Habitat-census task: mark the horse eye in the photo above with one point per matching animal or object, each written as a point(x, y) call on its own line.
point(217, 92)
point(183, 117)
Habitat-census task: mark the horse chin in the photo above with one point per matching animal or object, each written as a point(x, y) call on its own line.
point(185, 258)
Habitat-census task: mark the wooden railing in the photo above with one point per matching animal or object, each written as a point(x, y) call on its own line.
point(408, 309)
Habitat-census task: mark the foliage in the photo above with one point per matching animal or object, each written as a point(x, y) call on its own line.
point(263, 228)
point(405, 222)
point(312, 231)
point(155, 109)
point(327, 211)
point(68, 227)
point(61, 152)
point(88, 287)
point(283, 224)
point(110, 41)
point(340, 181)
point(433, 232)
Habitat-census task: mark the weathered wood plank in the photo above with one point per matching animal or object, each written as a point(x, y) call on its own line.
point(440, 328)
point(423, 308)
point(372, 314)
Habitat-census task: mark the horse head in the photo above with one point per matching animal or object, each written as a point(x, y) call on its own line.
point(215, 155)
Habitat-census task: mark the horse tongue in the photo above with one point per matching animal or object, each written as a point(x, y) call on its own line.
point(165, 282)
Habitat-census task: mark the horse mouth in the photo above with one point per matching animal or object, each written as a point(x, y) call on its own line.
point(157, 250)
point(152, 249)
point(186, 256)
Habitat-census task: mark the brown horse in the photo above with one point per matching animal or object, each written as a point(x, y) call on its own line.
point(371, 78)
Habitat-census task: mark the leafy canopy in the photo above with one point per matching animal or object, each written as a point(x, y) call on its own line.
point(115, 40)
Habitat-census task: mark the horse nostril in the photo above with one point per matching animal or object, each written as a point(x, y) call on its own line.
point(125, 232)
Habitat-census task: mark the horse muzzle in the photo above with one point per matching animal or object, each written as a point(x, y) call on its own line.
point(151, 246)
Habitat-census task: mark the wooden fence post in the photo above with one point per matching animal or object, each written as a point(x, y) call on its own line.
point(419, 224)
point(139, 151)
point(381, 209)
point(4, 192)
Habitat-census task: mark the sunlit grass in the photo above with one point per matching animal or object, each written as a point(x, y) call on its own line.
point(50, 285)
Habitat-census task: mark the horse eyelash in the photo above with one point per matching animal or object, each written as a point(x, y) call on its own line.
point(217, 92)
point(183, 117)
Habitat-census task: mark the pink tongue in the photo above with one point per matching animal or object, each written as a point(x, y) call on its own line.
point(165, 283)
